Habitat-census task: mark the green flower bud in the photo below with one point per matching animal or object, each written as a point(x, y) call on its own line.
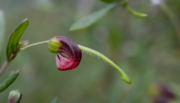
point(54, 45)
point(14, 96)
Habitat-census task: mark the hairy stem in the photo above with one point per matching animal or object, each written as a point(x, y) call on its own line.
point(124, 76)
point(34, 44)
point(4, 67)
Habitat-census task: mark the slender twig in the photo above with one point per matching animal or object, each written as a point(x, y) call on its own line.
point(124, 76)
point(4, 67)
point(34, 44)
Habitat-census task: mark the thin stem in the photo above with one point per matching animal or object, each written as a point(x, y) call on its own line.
point(34, 44)
point(4, 67)
point(124, 76)
point(173, 18)
point(135, 13)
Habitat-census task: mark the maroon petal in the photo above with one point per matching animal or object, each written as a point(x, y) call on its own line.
point(166, 92)
point(73, 52)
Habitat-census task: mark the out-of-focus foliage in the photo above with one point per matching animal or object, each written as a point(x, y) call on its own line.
point(147, 49)
point(2, 32)
point(55, 100)
point(92, 18)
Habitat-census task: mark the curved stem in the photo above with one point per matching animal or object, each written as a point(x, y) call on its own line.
point(124, 76)
point(131, 11)
point(4, 67)
point(34, 44)
point(135, 13)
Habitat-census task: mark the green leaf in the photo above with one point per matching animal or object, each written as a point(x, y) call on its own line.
point(9, 81)
point(14, 38)
point(92, 18)
point(2, 31)
point(55, 100)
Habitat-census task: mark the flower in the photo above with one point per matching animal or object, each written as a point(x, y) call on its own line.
point(14, 96)
point(60, 44)
point(162, 93)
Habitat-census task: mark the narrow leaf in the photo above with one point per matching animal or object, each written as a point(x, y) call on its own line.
point(92, 18)
point(2, 31)
point(55, 100)
point(14, 38)
point(9, 81)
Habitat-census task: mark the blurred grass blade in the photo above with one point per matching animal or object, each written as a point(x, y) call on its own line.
point(14, 38)
point(115, 90)
point(139, 89)
point(108, 1)
point(55, 100)
point(135, 13)
point(9, 81)
point(92, 18)
point(2, 32)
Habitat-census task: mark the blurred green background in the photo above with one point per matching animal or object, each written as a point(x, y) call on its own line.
point(147, 49)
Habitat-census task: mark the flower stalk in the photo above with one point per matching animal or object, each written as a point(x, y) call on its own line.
point(4, 67)
point(124, 76)
point(35, 44)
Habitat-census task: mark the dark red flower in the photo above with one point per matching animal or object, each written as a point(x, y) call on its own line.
point(60, 44)
point(166, 92)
